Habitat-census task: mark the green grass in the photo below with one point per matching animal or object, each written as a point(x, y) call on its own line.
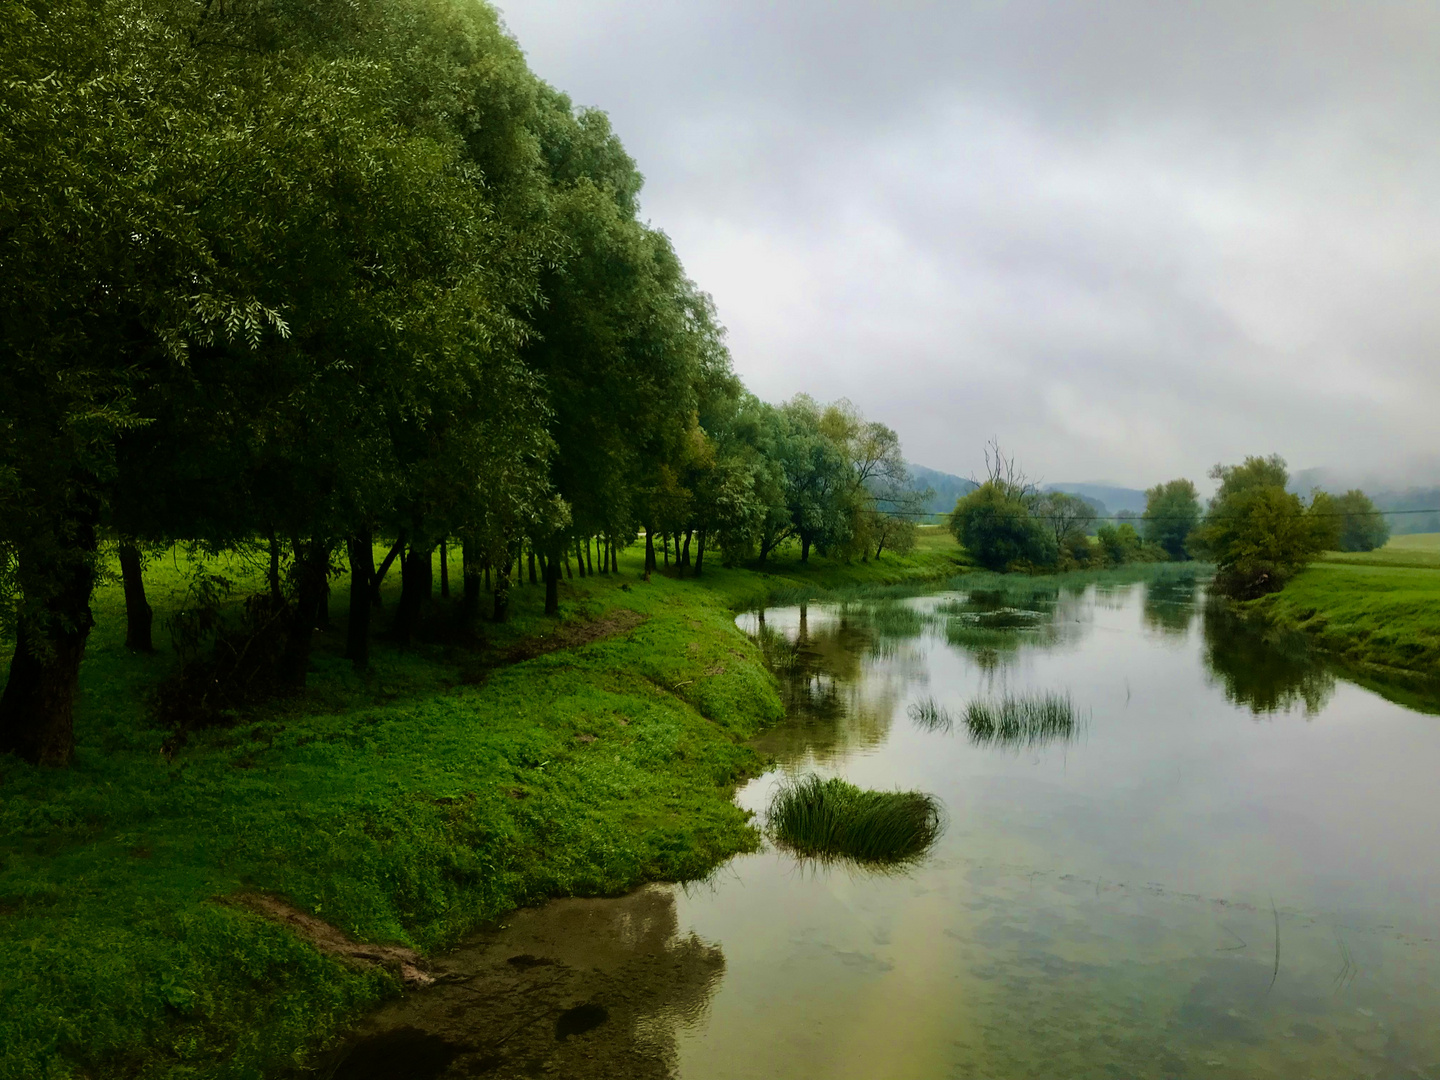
point(1030, 720)
point(829, 819)
point(1370, 615)
point(405, 806)
point(1419, 551)
point(929, 715)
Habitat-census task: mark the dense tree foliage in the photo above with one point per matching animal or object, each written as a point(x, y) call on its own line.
point(1361, 526)
point(1258, 533)
point(1172, 511)
point(294, 279)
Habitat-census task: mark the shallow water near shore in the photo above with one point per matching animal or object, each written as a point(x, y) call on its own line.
point(1228, 868)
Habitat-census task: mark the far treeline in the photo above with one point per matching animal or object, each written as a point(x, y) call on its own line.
point(1256, 532)
point(314, 282)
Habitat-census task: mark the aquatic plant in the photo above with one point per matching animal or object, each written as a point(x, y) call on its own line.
point(930, 715)
point(1021, 721)
point(829, 819)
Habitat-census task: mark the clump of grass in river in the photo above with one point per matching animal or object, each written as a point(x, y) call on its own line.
point(967, 634)
point(1021, 721)
point(930, 715)
point(830, 819)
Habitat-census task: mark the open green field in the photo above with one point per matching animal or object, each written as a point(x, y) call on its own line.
point(1378, 609)
point(1418, 550)
point(446, 786)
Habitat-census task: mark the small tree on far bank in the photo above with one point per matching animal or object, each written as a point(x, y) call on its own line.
point(1259, 534)
point(1172, 511)
point(994, 523)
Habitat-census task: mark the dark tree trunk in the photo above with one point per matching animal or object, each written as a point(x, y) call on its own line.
point(532, 564)
point(470, 575)
point(487, 577)
point(138, 616)
point(699, 552)
point(649, 552)
point(552, 578)
point(417, 582)
point(589, 565)
point(361, 551)
point(665, 548)
point(580, 557)
point(377, 578)
point(276, 597)
point(804, 549)
point(322, 613)
point(502, 592)
point(37, 710)
point(312, 564)
point(569, 574)
point(685, 554)
point(444, 570)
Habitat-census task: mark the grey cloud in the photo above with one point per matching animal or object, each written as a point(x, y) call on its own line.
point(1129, 239)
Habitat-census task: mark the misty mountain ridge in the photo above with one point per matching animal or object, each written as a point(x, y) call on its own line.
point(1105, 498)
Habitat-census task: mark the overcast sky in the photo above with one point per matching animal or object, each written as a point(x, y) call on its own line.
point(1127, 239)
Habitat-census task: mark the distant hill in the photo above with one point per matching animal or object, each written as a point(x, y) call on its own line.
point(1105, 498)
point(1113, 499)
point(947, 487)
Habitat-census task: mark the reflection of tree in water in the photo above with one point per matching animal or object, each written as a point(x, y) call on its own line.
point(578, 988)
point(831, 709)
point(1267, 675)
point(1169, 606)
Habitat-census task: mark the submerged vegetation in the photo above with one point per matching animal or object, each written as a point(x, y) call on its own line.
point(832, 819)
point(1026, 720)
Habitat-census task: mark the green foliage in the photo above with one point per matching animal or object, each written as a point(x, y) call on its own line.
point(1172, 512)
point(1259, 534)
point(830, 819)
point(1362, 527)
point(996, 528)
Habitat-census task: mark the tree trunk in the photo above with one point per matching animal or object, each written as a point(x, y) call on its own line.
point(470, 575)
point(322, 613)
point(580, 557)
point(276, 597)
point(361, 550)
point(589, 565)
point(377, 578)
point(312, 564)
point(552, 578)
point(569, 574)
point(665, 548)
point(804, 549)
point(138, 616)
point(532, 563)
point(444, 570)
point(502, 592)
point(685, 554)
point(417, 582)
point(699, 552)
point(37, 710)
point(649, 552)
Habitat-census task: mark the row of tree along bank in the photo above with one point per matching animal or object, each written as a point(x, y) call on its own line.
point(1256, 532)
point(294, 279)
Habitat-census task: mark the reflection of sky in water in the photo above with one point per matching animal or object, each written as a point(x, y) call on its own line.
point(1102, 907)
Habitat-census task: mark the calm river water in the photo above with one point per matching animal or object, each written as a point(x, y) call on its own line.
point(1229, 870)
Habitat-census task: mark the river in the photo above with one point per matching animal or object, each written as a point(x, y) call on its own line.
point(1228, 869)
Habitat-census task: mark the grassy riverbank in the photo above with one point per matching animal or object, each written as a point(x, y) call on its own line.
point(1376, 611)
point(442, 789)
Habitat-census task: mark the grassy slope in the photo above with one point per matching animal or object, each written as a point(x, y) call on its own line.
point(1375, 610)
point(406, 806)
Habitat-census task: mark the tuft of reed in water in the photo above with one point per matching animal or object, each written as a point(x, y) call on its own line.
point(830, 819)
point(1021, 721)
point(929, 715)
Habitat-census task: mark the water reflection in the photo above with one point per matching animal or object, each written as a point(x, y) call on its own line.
point(1169, 606)
point(1263, 674)
point(579, 988)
